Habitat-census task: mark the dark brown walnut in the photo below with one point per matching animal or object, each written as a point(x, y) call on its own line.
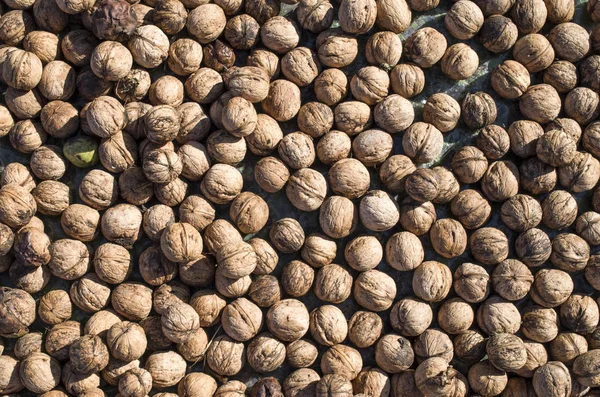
point(436, 377)
point(493, 141)
point(552, 378)
point(407, 80)
point(422, 142)
point(442, 111)
point(266, 387)
point(411, 317)
point(497, 315)
point(579, 313)
point(297, 278)
point(425, 47)
point(562, 75)
point(155, 268)
point(469, 346)
point(422, 185)
point(498, 33)
point(170, 16)
point(471, 209)
point(540, 103)
point(265, 291)
point(432, 281)
point(364, 328)
point(537, 177)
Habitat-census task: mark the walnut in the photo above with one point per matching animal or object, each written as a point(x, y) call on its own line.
point(297, 278)
point(374, 290)
point(167, 368)
point(393, 353)
point(225, 356)
point(411, 317)
point(288, 320)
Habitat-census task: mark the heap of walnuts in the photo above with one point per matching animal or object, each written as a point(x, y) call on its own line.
point(170, 276)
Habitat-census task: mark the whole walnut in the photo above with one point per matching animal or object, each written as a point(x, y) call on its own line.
point(448, 237)
point(19, 307)
point(506, 352)
point(584, 369)
point(301, 353)
point(463, 20)
point(17, 205)
point(225, 356)
point(510, 79)
point(121, 224)
point(433, 343)
point(40, 373)
point(485, 379)
point(265, 291)
point(498, 33)
point(432, 281)
point(55, 307)
point(404, 251)
point(100, 322)
point(512, 279)
point(394, 353)
point(221, 183)
point(378, 211)
point(342, 360)
point(559, 210)
point(455, 316)
point(306, 189)
point(297, 278)
point(490, 321)
point(470, 208)
point(265, 353)
point(562, 75)
point(60, 337)
point(586, 227)
point(411, 317)
point(352, 117)
point(18, 174)
point(318, 250)
point(469, 346)
point(136, 382)
point(328, 325)
point(241, 319)
point(112, 263)
point(374, 290)
point(32, 247)
point(570, 41)
point(357, 16)
point(370, 85)
point(581, 104)
point(88, 354)
point(425, 47)
point(459, 62)
point(179, 321)
point(569, 252)
point(384, 50)
point(132, 300)
point(331, 86)
point(204, 86)
point(206, 22)
point(489, 245)
point(10, 374)
point(364, 328)
point(435, 376)
point(333, 385)
point(579, 313)
point(288, 320)
point(552, 378)
point(168, 294)
point(167, 368)
point(416, 217)
point(542, 292)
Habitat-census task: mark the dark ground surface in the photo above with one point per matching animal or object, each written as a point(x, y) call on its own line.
point(280, 207)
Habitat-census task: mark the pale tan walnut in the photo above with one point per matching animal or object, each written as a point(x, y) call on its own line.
point(111, 61)
point(221, 183)
point(342, 360)
point(432, 281)
point(300, 66)
point(333, 284)
point(336, 49)
point(168, 294)
point(584, 368)
point(404, 251)
point(271, 174)
point(100, 322)
point(331, 86)
point(328, 325)
point(288, 320)
point(58, 81)
point(433, 343)
point(9, 375)
point(132, 300)
point(370, 85)
point(40, 373)
point(363, 253)
point(280, 34)
point(18, 174)
point(225, 356)
point(239, 117)
point(208, 304)
point(195, 160)
point(179, 322)
point(241, 319)
point(378, 211)
point(181, 242)
point(17, 205)
point(297, 278)
point(306, 189)
point(485, 379)
point(185, 56)
point(194, 349)
point(425, 47)
point(122, 224)
point(112, 263)
point(301, 353)
point(60, 337)
point(204, 86)
point(384, 49)
point(283, 101)
point(266, 256)
point(206, 22)
point(20, 311)
point(197, 384)
point(551, 288)
point(167, 368)
point(497, 315)
point(220, 233)
point(394, 353)
point(455, 316)
point(236, 260)
point(249, 82)
point(357, 16)
point(411, 317)
point(374, 290)
point(89, 293)
point(226, 148)
point(137, 382)
point(22, 70)
point(55, 307)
